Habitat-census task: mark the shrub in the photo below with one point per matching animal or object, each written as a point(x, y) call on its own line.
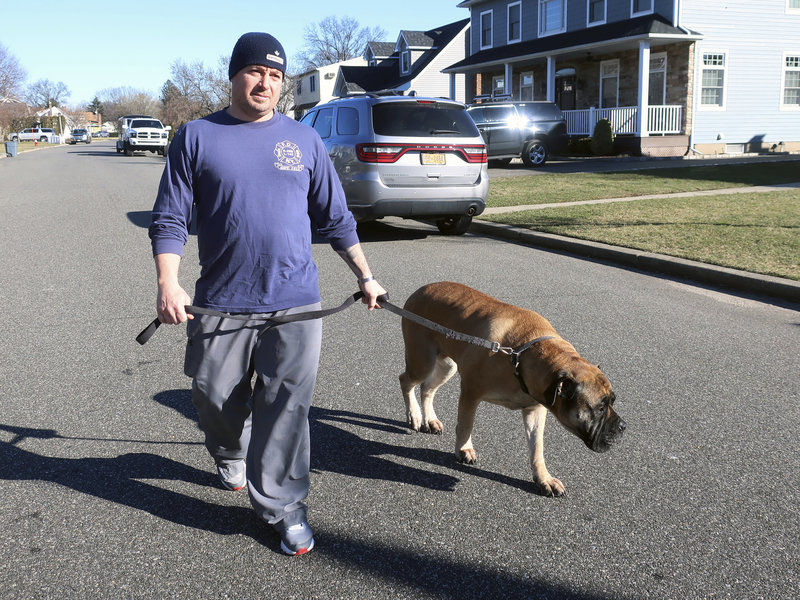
point(603, 138)
point(580, 146)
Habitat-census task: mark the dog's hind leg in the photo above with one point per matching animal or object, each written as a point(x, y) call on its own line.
point(534, 419)
point(445, 368)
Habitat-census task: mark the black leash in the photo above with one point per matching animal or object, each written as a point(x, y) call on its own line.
point(148, 331)
point(383, 301)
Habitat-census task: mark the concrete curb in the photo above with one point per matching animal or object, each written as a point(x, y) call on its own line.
point(776, 287)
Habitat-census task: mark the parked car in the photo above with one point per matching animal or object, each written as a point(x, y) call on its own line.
point(405, 156)
point(31, 134)
point(528, 130)
point(80, 135)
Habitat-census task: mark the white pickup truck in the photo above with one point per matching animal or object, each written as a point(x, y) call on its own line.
point(34, 134)
point(142, 132)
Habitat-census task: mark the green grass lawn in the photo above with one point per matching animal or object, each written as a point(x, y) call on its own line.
point(22, 146)
point(758, 232)
point(571, 187)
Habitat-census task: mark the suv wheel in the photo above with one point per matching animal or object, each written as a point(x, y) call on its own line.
point(128, 150)
point(43, 138)
point(534, 154)
point(454, 225)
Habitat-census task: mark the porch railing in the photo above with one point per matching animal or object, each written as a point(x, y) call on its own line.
point(660, 119)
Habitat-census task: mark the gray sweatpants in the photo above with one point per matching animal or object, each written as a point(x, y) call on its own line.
point(252, 387)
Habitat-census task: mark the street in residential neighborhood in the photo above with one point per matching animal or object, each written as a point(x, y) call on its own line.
point(106, 489)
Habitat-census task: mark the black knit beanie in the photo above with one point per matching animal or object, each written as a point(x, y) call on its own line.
point(257, 49)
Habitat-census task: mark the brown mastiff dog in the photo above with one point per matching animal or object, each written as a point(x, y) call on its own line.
point(549, 375)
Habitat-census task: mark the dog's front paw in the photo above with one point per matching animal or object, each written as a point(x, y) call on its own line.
point(433, 426)
point(414, 422)
point(550, 486)
point(467, 456)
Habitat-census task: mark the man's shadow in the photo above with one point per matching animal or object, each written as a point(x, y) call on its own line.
point(122, 480)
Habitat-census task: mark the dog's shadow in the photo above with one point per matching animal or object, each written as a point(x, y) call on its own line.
point(336, 447)
point(340, 451)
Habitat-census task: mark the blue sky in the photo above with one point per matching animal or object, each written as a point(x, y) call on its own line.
point(94, 46)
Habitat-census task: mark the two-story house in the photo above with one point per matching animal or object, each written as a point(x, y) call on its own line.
point(415, 64)
point(672, 76)
point(315, 86)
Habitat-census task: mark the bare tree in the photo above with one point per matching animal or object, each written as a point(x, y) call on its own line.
point(194, 91)
point(46, 93)
point(128, 101)
point(287, 95)
point(335, 39)
point(11, 74)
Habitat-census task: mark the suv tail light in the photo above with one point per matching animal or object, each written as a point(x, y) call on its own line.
point(389, 153)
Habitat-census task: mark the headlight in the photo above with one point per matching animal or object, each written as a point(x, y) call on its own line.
point(133, 134)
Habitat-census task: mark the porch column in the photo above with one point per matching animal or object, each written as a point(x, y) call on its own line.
point(644, 88)
point(508, 80)
point(551, 79)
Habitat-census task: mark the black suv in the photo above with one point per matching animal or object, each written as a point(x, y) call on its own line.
point(529, 130)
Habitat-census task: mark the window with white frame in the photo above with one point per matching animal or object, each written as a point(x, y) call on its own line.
point(791, 82)
point(641, 7)
point(514, 22)
point(609, 83)
point(657, 93)
point(596, 12)
point(526, 86)
point(312, 83)
point(552, 16)
point(498, 85)
point(793, 7)
point(486, 29)
point(712, 80)
point(405, 61)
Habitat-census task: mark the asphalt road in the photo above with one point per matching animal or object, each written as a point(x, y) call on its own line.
point(106, 490)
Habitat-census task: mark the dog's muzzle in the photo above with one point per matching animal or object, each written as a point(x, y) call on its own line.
point(607, 433)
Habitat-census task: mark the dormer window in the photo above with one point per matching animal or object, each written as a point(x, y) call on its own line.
point(405, 61)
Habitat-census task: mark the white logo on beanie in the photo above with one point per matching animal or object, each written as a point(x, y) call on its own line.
point(275, 57)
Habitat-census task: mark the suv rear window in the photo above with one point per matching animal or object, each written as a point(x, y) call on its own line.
point(416, 119)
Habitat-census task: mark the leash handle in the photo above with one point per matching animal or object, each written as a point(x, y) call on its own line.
point(148, 332)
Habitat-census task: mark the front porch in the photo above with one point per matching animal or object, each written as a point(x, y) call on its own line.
point(664, 126)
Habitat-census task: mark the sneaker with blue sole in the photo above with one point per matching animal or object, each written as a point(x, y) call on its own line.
point(296, 539)
point(232, 475)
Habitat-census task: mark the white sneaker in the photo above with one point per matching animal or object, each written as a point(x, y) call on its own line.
point(232, 475)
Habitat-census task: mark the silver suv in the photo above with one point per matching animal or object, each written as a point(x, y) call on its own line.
point(531, 131)
point(405, 156)
point(34, 134)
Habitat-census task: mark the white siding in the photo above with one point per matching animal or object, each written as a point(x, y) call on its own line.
point(755, 37)
point(432, 82)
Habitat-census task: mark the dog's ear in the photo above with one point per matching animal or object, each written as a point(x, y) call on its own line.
point(562, 386)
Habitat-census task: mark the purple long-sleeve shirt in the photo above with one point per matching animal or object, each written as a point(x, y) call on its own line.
point(259, 188)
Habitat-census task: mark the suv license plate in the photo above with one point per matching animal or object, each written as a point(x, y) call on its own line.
point(432, 158)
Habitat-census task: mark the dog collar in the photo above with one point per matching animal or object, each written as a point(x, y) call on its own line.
point(515, 359)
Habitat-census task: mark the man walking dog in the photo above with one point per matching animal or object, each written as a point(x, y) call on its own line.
point(260, 181)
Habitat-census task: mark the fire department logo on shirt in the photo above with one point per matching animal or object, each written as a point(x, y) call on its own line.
point(289, 156)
